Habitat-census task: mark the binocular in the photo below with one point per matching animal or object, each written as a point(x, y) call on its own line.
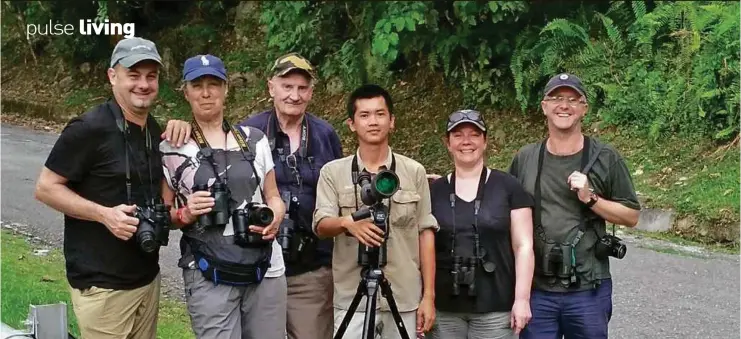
point(464, 274)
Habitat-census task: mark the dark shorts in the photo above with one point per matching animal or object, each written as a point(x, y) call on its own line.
point(574, 315)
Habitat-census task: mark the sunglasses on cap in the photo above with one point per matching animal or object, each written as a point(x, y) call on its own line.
point(468, 115)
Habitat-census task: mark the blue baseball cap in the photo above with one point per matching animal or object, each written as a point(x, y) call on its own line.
point(201, 65)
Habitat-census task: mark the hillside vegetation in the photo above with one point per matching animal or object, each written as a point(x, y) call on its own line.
point(662, 77)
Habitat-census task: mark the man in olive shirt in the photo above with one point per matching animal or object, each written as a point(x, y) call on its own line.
point(410, 245)
point(571, 209)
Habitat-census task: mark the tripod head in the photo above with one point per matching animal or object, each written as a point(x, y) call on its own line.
point(373, 189)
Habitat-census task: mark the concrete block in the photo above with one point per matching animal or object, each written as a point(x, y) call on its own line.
point(655, 220)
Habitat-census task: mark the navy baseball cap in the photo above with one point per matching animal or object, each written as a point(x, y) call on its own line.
point(565, 80)
point(201, 65)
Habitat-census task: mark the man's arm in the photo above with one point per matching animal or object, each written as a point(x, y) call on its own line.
point(427, 262)
point(52, 190)
point(615, 212)
point(620, 204)
point(328, 223)
point(177, 132)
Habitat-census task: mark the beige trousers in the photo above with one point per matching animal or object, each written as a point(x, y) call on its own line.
point(104, 313)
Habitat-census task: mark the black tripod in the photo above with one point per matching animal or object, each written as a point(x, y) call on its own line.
point(372, 279)
point(368, 286)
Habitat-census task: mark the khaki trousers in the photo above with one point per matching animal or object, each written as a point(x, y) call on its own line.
point(104, 313)
point(310, 311)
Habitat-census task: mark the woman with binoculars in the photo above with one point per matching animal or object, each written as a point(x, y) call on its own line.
point(224, 184)
point(484, 247)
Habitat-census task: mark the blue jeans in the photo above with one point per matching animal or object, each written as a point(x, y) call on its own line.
point(575, 315)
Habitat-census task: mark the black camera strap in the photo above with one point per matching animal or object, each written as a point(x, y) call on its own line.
point(123, 127)
point(476, 208)
point(285, 155)
point(244, 148)
point(356, 174)
point(586, 165)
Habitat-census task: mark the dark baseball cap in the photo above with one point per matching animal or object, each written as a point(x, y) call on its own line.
point(466, 116)
point(130, 51)
point(290, 62)
point(201, 65)
point(565, 80)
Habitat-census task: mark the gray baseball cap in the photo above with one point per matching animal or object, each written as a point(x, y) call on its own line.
point(130, 51)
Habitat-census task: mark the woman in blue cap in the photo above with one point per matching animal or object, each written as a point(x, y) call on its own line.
point(223, 182)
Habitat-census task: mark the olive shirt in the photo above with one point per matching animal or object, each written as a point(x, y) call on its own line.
point(561, 209)
point(410, 214)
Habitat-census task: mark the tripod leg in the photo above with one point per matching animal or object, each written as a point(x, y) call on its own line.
point(369, 325)
point(351, 311)
point(389, 295)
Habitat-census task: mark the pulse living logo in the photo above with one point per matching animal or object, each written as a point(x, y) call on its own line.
point(86, 27)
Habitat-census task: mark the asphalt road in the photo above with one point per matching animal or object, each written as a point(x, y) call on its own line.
point(660, 290)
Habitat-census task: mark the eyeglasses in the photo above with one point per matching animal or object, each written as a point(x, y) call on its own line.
point(292, 164)
point(467, 114)
point(573, 102)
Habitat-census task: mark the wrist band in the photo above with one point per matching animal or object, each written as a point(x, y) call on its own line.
point(180, 215)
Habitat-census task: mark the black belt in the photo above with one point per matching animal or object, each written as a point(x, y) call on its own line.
point(226, 273)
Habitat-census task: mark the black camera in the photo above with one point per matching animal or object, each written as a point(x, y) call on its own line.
point(296, 241)
point(610, 246)
point(219, 215)
point(464, 274)
point(253, 214)
point(373, 189)
point(153, 230)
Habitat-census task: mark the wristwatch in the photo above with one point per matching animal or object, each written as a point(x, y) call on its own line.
point(593, 197)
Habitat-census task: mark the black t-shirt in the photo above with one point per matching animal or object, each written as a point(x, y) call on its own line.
point(90, 154)
point(494, 291)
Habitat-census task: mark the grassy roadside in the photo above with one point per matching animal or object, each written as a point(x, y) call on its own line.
point(32, 279)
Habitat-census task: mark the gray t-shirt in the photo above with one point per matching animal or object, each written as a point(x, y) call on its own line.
point(561, 208)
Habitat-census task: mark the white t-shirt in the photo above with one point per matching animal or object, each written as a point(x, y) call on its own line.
point(181, 168)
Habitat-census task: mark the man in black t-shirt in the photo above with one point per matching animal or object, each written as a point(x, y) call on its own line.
point(114, 283)
point(572, 293)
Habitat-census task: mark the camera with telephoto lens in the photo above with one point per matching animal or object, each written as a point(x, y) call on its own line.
point(153, 230)
point(253, 214)
point(610, 246)
point(219, 215)
point(464, 274)
point(373, 189)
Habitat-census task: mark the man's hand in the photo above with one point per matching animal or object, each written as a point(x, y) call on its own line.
point(365, 231)
point(119, 221)
point(580, 184)
point(520, 315)
point(177, 133)
point(425, 314)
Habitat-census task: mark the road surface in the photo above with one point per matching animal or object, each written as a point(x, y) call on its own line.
point(660, 290)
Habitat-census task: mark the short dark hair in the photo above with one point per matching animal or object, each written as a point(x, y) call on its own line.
point(367, 92)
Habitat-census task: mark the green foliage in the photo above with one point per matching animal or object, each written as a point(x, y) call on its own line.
point(671, 70)
point(665, 67)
